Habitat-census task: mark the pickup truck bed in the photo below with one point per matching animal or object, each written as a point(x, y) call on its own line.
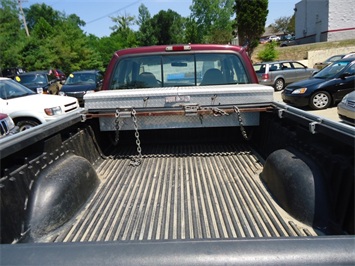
point(189, 191)
point(195, 192)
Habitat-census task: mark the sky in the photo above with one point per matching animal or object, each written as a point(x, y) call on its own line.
point(97, 13)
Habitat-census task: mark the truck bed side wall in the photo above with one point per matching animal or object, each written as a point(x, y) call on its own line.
point(334, 158)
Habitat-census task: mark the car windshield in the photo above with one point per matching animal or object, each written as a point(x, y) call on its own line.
point(81, 78)
point(331, 70)
point(11, 89)
point(32, 79)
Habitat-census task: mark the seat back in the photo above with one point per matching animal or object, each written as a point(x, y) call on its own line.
point(147, 80)
point(213, 76)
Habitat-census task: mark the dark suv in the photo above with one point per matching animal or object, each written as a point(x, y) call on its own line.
point(38, 81)
point(82, 82)
point(12, 72)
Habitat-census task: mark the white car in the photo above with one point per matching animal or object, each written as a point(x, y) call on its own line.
point(274, 38)
point(28, 109)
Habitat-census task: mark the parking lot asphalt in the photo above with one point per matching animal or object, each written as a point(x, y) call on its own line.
point(329, 113)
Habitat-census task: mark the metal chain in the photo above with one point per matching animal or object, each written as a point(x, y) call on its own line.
point(239, 116)
point(218, 112)
point(137, 159)
point(117, 127)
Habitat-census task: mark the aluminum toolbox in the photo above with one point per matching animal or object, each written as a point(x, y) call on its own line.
point(155, 107)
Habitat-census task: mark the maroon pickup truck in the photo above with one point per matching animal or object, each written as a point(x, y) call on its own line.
point(181, 159)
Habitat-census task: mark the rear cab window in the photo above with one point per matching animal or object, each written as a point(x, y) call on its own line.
point(175, 70)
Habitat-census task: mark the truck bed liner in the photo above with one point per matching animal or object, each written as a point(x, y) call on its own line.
point(181, 192)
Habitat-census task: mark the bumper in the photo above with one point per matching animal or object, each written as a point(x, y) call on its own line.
point(296, 100)
point(346, 113)
point(266, 82)
point(78, 95)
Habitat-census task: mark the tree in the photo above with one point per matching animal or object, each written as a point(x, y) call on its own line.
point(77, 20)
point(145, 34)
point(168, 27)
point(122, 30)
point(123, 24)
point(250, 21)
point(284, 24)
point(213, 18)
point(65, 47)
point(191, 31)
point(41, 11)
point(12, 36)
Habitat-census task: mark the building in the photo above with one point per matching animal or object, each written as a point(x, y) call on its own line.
point(324, 20)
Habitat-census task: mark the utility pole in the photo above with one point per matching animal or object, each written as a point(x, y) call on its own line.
point(23, 16)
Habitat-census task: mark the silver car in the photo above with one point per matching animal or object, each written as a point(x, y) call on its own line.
point(346, 108)
point(280, 73)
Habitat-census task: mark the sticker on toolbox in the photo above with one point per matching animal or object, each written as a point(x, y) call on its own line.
point(177, 99)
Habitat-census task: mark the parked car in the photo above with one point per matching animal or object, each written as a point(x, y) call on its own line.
point(28, 108)
point(288, 41)
point(12, 72)
point(38, 81)
point(325, 88)
point(280, 73)
point(320, 65)
point(7, 126)
point(274, 38)
point(263, 40)
point(346, 108)
point(81, 82)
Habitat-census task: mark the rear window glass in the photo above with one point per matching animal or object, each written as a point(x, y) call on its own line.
point(178, 70)
point(259, 68)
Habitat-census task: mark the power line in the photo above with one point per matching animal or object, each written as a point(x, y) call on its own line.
point(122, 8)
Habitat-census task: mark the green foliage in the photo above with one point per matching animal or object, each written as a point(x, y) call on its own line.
point(213, 19)
point(145, 35)
point(122, 32)
point(168, 27)
point(11, 36)
point(56, 40)
point(284, 24)
point(269, 53)
point(37, 12)
point(250, 21)
point(191, 31)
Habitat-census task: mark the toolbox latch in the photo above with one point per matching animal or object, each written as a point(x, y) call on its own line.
point(190, 110)
point(124, 112)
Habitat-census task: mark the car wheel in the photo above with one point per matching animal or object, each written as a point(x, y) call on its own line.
point(26, 124)
point(279, 84)
point(320, 100)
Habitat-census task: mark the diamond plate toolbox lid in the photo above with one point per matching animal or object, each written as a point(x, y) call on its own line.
point(178, 96)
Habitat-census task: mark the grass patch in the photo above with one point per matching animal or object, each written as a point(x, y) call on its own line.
point(299, 52)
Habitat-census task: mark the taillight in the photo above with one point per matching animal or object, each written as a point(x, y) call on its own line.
point(178, 48)
point(265, 76)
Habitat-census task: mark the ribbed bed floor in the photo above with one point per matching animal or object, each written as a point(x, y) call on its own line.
point(181, 192)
